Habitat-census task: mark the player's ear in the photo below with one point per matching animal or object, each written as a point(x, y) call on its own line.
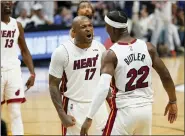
point(73, 33)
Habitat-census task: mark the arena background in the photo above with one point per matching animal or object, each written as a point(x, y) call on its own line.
point(39, 115)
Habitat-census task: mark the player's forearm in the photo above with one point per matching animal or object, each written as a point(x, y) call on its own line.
point(56, 99)
point(97, 102)
point(169, 87)
point(101, 94)
point(28, 61)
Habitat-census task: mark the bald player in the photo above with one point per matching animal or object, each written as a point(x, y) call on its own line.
point(130, 62)
point(76, 62)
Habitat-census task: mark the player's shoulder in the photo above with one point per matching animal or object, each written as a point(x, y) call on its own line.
point(60, 51)
point(151, 48)
point(99, 45)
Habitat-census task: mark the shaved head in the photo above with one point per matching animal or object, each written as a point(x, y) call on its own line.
point(83, 30)
point(77, 21)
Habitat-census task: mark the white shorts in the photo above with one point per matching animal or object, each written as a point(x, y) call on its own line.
point(12, 86)
point(79, 112)
point(129, 121)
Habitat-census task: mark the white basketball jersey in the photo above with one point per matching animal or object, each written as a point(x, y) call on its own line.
point(9, 45)
point(133, 74)
point(82, 73)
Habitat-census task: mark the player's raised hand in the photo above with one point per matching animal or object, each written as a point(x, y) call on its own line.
point(68, 121)
point(30, 81)
point(85, 127)
point(172, 111)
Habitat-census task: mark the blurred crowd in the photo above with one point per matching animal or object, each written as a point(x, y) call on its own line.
point(159, 22)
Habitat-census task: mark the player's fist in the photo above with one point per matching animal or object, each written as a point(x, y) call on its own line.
point(68, 121)
point(85, 127)
point(172, 111)
point(30, 81)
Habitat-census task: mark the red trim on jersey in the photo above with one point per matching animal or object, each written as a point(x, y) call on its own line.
point(2, 102)
point(63, 87)
point(64, 105)
point(22, 100)
point(113, 85)
point(122, 43)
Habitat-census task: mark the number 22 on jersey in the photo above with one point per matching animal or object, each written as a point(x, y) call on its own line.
point(132, 74)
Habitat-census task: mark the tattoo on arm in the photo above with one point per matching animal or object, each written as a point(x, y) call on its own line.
point(56, 95)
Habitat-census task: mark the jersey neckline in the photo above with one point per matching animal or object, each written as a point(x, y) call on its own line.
point(122, 43)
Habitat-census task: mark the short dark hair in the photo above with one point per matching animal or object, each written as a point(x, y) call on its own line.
point(117, 16)
point(85, 1)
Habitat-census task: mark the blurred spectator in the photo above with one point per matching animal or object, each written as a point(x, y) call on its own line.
point(58, 17)
point(160, 22)
point(27, 5)
point(39, 18)
point(142, 27)
point(181, 24)
point(64, 17)
point(162, 18)
point(48, 9)
point(23, 19)
point(173, 35)
point(174, 39)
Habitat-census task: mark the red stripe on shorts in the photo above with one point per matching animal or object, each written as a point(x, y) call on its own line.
point(110, 122)
point(112, 103)
point(22, 100)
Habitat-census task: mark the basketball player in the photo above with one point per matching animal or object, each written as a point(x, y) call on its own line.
point(77, 63)
point(12, 91)
point(130, 62)
point(86, 9)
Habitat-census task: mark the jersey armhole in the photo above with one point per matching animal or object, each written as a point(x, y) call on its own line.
point(148, 53)
point(67, 60)
point(116, 58)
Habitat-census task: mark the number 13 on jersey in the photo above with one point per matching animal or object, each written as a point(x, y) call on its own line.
point(9, 43)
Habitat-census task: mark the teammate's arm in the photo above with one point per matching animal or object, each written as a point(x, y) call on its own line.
point(103, 49)
point(107, 71)
point(56, 69)
point(26, 56)
point(167, 82)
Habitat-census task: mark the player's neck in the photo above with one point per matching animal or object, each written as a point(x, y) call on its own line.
point(125, 37)
point(5, 18)
point(82, 45)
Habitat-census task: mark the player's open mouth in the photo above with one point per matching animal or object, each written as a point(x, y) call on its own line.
point(89, 36)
